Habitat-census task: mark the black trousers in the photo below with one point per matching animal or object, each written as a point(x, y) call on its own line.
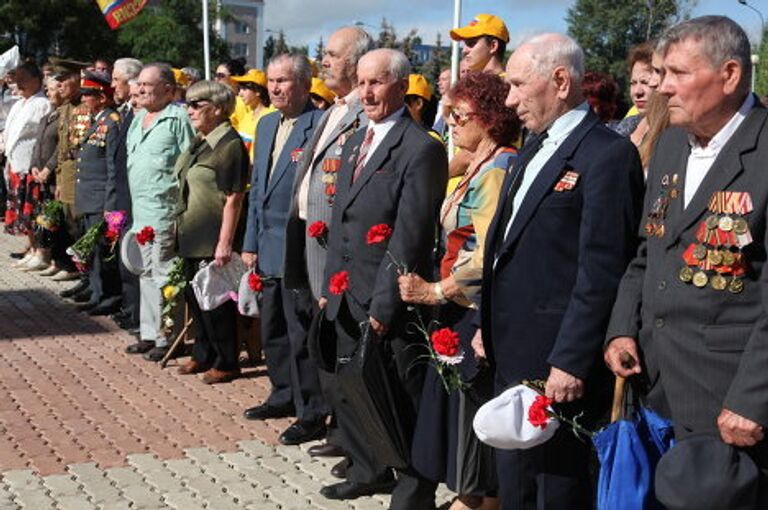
point(104, 276)
point(412, 492)
point(216, 343)
point(286, 315)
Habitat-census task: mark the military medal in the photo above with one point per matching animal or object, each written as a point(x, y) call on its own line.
point(700, 251)
point(700, 279)
point(711, 222)
point(686, 274)
point(718, 282)
point(736, 286)
point(740, 226)
point(715, 257)
point(725, 223)
point(729, 258)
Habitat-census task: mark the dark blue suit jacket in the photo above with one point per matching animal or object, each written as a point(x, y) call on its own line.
point(547, 299)
point(270, 195)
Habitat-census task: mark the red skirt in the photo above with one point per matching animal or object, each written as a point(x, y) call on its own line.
point(25, 196)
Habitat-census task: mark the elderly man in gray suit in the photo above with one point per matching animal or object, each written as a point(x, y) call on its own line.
point(692, 305)
point(285, 313)
point(315, 185)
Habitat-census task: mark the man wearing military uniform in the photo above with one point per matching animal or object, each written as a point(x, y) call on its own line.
point(691, 307)
point(95, 169)
point(73, 121)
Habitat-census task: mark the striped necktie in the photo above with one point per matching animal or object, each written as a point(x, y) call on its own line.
point(363, 155)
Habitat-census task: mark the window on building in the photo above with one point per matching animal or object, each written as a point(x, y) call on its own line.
point(242, 28)
point(240, 50)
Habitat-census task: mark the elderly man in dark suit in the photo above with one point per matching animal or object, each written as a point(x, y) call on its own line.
point(285, 313)
point(96, 168)
point(692, 305)
point(561, 238)
point(391, 173)
point(314, 188)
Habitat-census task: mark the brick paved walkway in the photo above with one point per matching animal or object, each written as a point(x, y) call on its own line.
point(83, 425)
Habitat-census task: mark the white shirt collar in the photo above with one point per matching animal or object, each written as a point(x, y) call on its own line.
point(726, 132)
point(386, 122)
point(566, 123)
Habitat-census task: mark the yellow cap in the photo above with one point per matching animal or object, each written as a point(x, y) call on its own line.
point(320, 89)
point(182, 80)
point(483, 24)
point(419, 86)
point(253, 76)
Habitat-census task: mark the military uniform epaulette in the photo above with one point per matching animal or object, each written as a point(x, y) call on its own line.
point(115, 116)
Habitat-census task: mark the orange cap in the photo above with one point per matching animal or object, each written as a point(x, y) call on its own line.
point(419, 86)
point(253, 76)
point(483, 24)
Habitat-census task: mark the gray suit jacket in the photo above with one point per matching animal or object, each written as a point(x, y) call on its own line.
point(703, 349)
point(305, 257)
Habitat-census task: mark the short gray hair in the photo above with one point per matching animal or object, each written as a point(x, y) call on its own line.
point(192, 73)
point(552, 50)
point(302, 70)
point(128, 67)
point(217, 93)
point(720, 38)
point(362, 43)
point(398, 66)
point(164, 71)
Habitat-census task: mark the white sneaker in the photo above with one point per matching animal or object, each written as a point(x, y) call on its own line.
point(35, 264)
point(22, 262)
point(65, 276)
point(52, 270)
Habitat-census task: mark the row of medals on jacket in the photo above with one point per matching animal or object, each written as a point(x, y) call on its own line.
point(710, 261)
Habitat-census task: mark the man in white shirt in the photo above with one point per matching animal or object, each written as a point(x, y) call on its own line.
point(561, 238)
point(692, 305)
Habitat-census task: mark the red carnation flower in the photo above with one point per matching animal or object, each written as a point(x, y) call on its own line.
point(317, 230)
point(255, 283)
point(111, 236)
point(445, 342)
point(538, 415)
point(339, 283)
point(378, 233)
point(145, 235)
point(28, 209)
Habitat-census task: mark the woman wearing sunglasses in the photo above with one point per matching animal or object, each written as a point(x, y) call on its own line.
point(485, 128)
point(212, 175)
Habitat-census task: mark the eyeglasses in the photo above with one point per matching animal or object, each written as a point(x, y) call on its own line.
point(221, 76)
point(459, 118)
point(470, 43)
point(198, 104)
point(247, 85)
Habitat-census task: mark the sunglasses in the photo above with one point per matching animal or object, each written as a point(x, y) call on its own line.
point(470, 43)
point(221, 76)
point(248, 85)
point(460, 118)
point(198, 104)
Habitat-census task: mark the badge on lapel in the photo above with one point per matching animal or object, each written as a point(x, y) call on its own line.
point(567, 182)
point(296, 154)
point(654, 226)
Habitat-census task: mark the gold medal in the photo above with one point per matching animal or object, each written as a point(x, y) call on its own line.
point(700, 252)
point(712, 222)
point(725, 223)
point(736, 286)
point(686, 274)
point(715, 257)
point(729, 258)
point(659, 230)
point(718, 282)
point(700, 279)
point(673, 193)
point(740, 226)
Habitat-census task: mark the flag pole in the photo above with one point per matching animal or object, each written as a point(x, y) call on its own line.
point(206, 42)
point(454, 65)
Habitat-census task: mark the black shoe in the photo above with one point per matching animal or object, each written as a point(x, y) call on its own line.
point(266, 412)
point(103, 308)
point(86, 307)
point(127, 323)
point(83, 296)
point(79, 287)
point(157, 353)
point(120, 315)
point(303, 431)
point(326, 450)
point(140, 347)
point(354, 490)
point(339, 470)
point(18, 255)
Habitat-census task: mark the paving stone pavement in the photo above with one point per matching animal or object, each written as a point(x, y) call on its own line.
point(85, 426)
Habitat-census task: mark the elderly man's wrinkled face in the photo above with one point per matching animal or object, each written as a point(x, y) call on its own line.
point(285, 91)
point(695, 88)
point(381, 94)
point(154, 93)
point(532, 95)
point(69, 87)
point(121, 87)
point(337, 70)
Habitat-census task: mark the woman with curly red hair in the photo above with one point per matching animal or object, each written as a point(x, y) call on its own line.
point(484, 127)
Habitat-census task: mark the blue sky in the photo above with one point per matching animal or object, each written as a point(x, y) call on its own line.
point(305, 21)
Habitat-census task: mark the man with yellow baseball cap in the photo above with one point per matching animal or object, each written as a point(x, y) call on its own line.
point(485, 41)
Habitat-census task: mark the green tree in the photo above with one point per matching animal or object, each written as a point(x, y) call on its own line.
point(439, 60)
point(319, 50)
point(269, 48)
point(761, 69)
point(170, 31)
point(387, 36)
point(607, 30)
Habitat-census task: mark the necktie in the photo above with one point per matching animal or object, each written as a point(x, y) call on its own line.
point(361, 157)
point(522, 163)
